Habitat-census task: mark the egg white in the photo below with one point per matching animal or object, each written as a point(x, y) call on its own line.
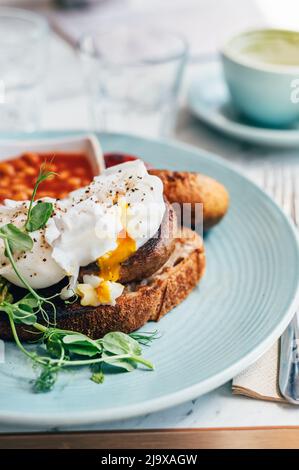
point(88, 294)
point(86, 224)
point(37, 266)
point(94, 218)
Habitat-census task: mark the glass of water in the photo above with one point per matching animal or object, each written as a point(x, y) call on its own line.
point(23, 56)
point(133, 78)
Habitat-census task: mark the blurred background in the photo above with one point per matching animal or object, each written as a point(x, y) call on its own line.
point(116, 64)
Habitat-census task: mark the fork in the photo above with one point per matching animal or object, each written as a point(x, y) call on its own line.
point(289, 363)
point(280, 182)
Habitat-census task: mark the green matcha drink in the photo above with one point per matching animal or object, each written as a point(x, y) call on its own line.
point(277, 47)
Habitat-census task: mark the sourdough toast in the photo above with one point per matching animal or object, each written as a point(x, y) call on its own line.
point(148, 300)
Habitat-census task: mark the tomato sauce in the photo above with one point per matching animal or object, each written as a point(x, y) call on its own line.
point(18, 176)
point(112, 159)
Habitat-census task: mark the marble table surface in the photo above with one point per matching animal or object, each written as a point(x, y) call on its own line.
point(67, 109)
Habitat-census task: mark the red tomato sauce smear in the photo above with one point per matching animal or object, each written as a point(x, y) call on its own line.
point(18, 176)
point(114, 158)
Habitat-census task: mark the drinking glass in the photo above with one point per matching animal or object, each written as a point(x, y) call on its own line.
point(133, 78)
point(23, 45)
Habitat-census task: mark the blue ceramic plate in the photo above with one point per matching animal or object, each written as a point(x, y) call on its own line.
point(208, 99)
point(242, 305)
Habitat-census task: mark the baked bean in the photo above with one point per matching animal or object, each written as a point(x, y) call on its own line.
point(28, 192)
point(4, 182)
point(63, 194)
point(79, 171)
point(32, 158)
point(18, 176)
point(64, 175)
point(30, 171)
point(20, 164)
point(16, 181)
point(18, 187)
point(20, 196)
point(42, 193)
point(7, 169)
point(50, 194)
point(4, 192)
point(74, 182)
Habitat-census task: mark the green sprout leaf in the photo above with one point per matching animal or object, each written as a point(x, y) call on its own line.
point(54, 346)
point(81, 345)
point(23, 310)
point(98, 375)
point(127, 364)
point(23, 316)
point(39, 216)
point(120, 343)
point(47, 379)
point(17, 240)
point(28, 302)
point(5, 295)
point(82, 349)
point(145, 338)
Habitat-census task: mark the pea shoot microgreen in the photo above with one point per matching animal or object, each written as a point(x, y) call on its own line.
point(58, 348)
point(62, 349)
point(16, 239)
point(39, 214)
point(98, 375)
point(5, 295)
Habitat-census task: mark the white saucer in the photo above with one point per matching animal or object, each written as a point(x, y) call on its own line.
point(209, 100)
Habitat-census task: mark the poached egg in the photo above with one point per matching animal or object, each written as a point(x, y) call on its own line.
point(106, 222)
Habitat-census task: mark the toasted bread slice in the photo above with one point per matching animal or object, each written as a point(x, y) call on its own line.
point(140, 302)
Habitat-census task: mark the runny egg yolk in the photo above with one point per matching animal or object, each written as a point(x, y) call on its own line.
point(110, 263)
point(107, 289)
point(103, 293)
